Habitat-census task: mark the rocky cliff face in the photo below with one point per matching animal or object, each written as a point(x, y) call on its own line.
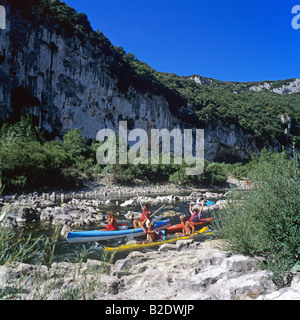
point(67, 83)
point(292, 86)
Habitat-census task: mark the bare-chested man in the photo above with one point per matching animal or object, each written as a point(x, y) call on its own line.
point(187, 228)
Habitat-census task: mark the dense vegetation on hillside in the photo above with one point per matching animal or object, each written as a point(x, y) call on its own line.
point(257, 113)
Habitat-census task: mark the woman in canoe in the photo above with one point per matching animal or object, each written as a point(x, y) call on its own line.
point(187, 227)
point(111, 222)
point(195, 214)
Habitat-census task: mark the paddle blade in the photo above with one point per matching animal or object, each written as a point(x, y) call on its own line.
point(209, 203)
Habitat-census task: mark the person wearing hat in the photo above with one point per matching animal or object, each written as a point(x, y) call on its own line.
point(111, 222)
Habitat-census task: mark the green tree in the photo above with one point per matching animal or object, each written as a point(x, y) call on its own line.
point(24, 129)
point(28, 164)
point(74, 144)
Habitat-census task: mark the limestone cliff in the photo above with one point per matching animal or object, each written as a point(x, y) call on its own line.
point(66, 84)
point(291, 86)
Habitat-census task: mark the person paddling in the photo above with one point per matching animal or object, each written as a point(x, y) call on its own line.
point(146, 218)
point(111, 222)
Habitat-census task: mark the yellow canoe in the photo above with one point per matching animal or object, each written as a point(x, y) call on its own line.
point(153, 244)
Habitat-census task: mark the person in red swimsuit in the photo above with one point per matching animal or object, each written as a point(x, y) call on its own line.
point(111, 222)
point(146, 216)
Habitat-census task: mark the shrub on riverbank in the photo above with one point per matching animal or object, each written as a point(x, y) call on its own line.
point(28, 161)
point(265, 220)
point(213, 174)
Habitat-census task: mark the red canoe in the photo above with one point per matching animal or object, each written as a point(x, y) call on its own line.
point(197, 225)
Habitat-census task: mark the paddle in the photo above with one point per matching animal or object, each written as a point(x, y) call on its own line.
point(139, 199)
point(209, 203)
point(150, 217)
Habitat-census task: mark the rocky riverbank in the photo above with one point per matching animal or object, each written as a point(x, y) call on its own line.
point(191, 270)
point(93, 190)
point(104, 192)
point(77, 210)
point(187, 270)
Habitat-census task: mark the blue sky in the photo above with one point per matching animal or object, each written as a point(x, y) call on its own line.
point(233, 40)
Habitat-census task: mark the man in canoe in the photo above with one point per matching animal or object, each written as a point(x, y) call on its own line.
point(187, 228)
point(195, 214)
point(146, 218)
point(111, 222)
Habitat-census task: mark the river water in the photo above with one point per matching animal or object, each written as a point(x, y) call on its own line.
point(95, 250)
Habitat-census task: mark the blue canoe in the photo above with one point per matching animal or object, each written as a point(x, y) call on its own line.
point(96, 235)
